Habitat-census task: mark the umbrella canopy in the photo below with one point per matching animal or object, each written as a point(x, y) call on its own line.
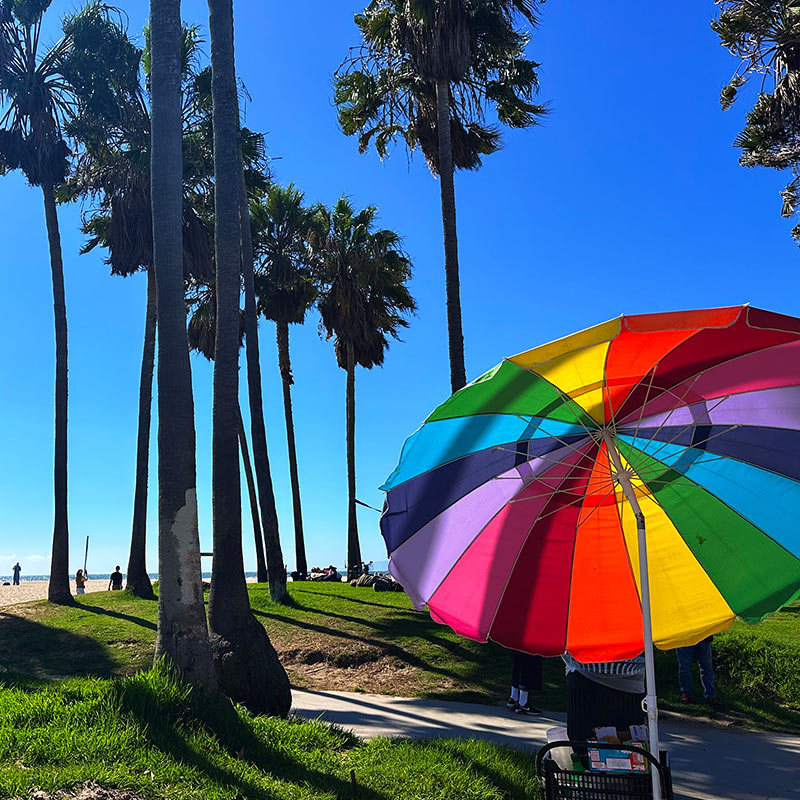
point(506, 514)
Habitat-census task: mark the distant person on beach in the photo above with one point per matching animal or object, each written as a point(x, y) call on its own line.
point(115, 582)
point(16, 570)
point(80, 582)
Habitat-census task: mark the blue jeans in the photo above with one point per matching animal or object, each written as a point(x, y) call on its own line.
point(702, 652)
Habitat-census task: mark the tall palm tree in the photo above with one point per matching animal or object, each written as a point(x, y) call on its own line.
point(426, 73)
point(269, 513)
point(202, 332)
point(765, 39)
point(182, 629)
point(35, 102)
point(286, 290)
point(363, 299)
point(246, 664)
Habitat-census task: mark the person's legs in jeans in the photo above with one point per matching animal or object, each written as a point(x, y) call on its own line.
point(685, 658)
point(704, 661)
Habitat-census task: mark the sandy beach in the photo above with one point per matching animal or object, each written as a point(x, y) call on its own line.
point(37, 590)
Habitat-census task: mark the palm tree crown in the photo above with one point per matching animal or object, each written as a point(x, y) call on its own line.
point(764, 35)
point(363, 300)
point(363, 273)
point(285, 282)
point(386, 89)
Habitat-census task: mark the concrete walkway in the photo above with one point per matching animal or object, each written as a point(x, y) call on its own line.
point(709, 762)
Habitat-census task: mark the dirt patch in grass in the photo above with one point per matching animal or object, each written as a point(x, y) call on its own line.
point(86, 791)
point(354, 668)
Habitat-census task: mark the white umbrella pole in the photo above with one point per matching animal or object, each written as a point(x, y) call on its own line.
point(651, 700)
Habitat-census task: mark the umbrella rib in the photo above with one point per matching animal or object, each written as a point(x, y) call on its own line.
point(683, 430)
point(693, 445)
point(516, 560)
point(669, 414)
point(505, 446)
point(646, 397)
point(697, 375)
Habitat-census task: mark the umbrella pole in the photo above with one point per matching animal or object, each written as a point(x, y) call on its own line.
point(651, 699)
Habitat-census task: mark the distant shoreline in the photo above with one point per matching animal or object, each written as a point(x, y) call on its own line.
point(100, 576)
point(31, 590)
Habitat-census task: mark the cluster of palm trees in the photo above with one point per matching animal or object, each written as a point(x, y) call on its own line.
point(150, 141)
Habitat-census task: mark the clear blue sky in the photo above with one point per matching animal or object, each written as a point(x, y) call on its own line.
point(629, 198)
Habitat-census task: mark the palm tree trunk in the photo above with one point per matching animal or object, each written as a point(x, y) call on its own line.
point(138, 581)
point(261, 565)
point(458, 373)
point(285, 365)
point(353, 546)
point(58, 589)
point(266, 494)
point(182, 629)
point(246, 664)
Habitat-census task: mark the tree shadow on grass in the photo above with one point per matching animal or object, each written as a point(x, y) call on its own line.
point(240, 741)
point(30, 648)
point(144, 623)
point(351, 600)
point(389, 648)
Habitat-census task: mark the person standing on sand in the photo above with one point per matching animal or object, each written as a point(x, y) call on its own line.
point(16, 570)
point(115, 582)
point(80, 582)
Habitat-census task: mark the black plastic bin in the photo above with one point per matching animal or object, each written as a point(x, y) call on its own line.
point(563, 784)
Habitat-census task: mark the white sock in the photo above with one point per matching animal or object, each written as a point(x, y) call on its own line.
point(514, 693)
point(523, 698)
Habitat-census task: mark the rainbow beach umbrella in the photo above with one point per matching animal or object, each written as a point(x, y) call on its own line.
point(634, 483)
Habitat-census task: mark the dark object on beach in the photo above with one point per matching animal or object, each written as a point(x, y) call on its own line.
point(328, 574)
point(385, 583)
point(6, 583)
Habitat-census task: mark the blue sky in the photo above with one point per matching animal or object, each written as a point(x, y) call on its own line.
point(628, 198)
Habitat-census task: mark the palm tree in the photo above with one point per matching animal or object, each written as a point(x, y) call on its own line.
point(246, 664)
point(269, 513)
point(182, 628)
point(363, 299)
point(35, 102)
point(202, 332)
point(286, 290)
point(764, 37)
point(426, 72)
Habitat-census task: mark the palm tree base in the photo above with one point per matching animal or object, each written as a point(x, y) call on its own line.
point(141, 590)
point(248, 670)
point(61, 598)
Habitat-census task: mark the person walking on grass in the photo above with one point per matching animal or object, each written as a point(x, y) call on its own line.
point(686, 655)
point(80, 582)
point(115, 581)
point(16, 570)
point(526, 676)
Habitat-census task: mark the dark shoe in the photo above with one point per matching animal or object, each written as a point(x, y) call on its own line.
point(685, 698)
point(527, 709)
point(714, 703)
point(511, 703)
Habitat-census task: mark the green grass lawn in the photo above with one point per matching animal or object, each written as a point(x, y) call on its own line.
point(151, 735)
point(334, 637)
